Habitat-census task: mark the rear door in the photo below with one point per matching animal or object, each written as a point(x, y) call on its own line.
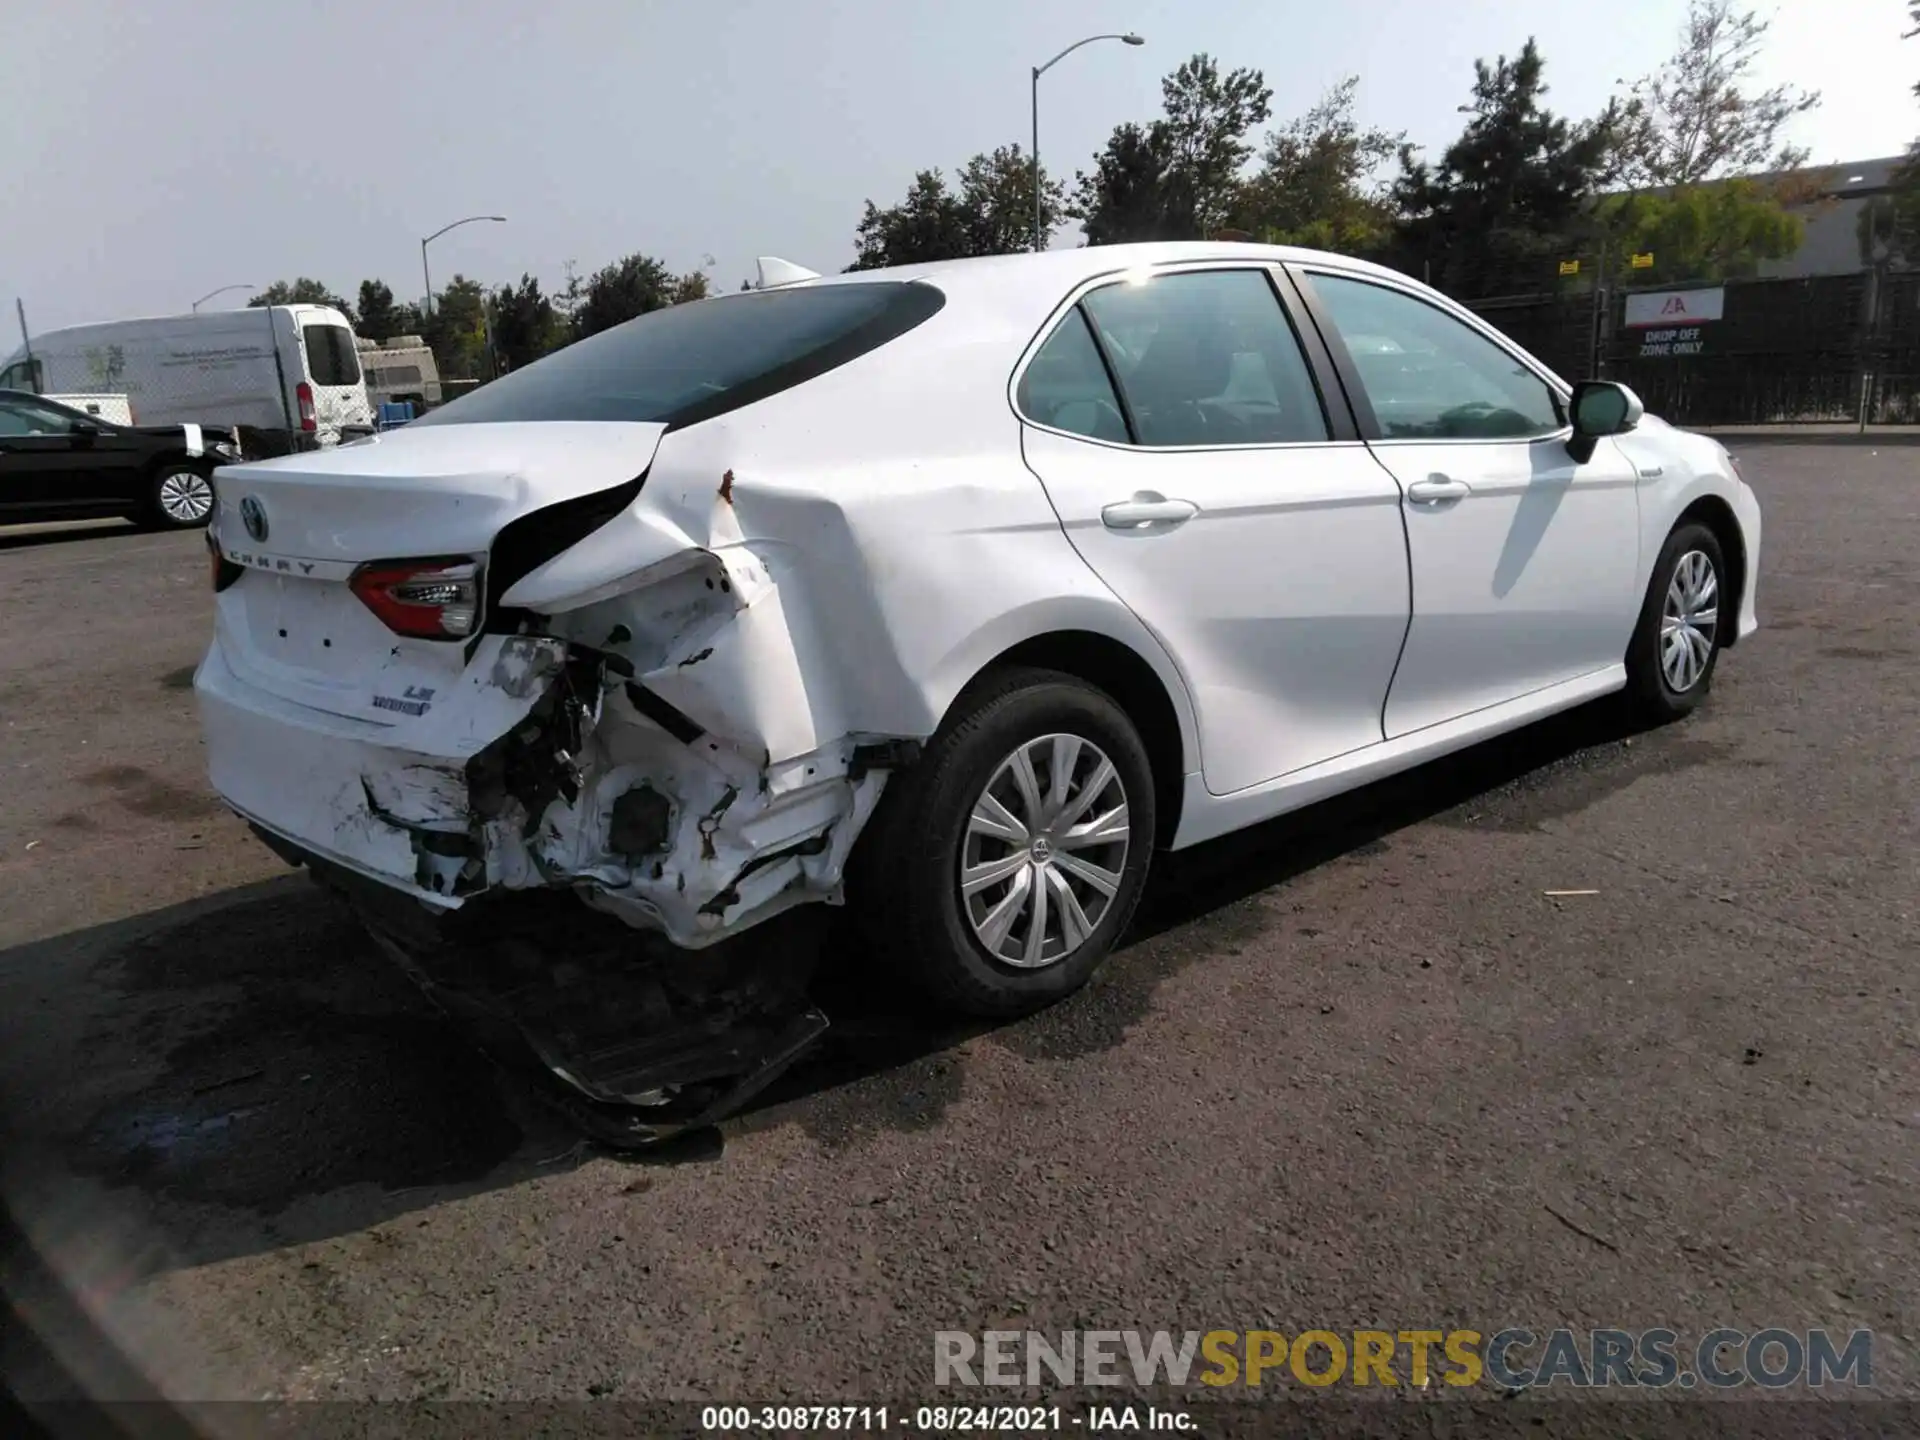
point(1179, 430)
point(330, 365)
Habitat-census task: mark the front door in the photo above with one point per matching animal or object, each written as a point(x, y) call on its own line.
point(1525, 564)
point(42, 465)
point(1212, 493)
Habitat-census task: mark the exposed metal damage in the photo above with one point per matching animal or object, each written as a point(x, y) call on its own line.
point(643, 774)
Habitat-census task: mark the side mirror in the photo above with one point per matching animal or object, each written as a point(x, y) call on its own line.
point(1600, 408)
point(85, 432)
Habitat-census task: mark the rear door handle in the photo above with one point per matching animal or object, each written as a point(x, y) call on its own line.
point(1436, 488)
point(1148, 508)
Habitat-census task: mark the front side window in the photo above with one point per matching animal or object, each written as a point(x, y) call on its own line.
point(1066, 386)
point(1428, 375)
point(332, 358)
point(702, 358)
point(1208, 358)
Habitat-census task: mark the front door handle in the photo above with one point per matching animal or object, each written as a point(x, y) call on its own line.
point(1436, 488)
point(1148, 508)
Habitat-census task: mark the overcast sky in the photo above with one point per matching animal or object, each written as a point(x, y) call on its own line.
point(155, 151)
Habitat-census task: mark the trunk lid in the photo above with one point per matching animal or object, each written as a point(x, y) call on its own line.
point(301, 525)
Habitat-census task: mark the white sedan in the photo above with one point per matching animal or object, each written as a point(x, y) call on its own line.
point(952, 591)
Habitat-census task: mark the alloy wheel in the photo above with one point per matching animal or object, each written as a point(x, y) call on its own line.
point(186, 497)
point(1689, 621)
point(1045, 849)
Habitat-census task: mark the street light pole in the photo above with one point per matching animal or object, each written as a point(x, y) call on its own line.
point(1039, 242)
point(221, 291)
point(424, 275)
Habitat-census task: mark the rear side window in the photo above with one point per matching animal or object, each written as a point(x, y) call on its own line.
point(1067, 388)
point(1208, 358)
point(699, 359)
point(331, 356)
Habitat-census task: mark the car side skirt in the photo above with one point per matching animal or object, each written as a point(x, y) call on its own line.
point(1205, 816)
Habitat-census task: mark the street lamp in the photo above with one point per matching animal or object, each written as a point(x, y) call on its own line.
point(1038, 71)
point(221, 291)
point(499, 219)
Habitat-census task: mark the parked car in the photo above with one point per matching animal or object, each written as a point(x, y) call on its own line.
point(910, 588)
point(57, 461)
point(288, 376)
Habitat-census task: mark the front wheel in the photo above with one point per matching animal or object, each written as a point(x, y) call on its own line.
point(1001, 869)
point(1683, 623)
point(180, 497)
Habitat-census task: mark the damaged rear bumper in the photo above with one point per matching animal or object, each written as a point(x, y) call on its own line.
point(547, 766)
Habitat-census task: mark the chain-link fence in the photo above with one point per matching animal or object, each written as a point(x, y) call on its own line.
point(1818, 349)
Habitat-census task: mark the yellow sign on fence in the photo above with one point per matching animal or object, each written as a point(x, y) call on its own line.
point(1643, 261)
point(1569, 267)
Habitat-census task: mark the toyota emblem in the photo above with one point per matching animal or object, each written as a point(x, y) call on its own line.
point(253, 515)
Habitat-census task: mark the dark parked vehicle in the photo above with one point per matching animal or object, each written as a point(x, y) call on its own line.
point(55, 461)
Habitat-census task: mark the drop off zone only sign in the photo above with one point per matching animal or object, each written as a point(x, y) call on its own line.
point(1671, 322)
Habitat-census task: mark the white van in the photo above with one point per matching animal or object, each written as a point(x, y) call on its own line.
point(286, 376)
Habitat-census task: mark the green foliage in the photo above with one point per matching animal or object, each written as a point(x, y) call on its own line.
point(1694, 119)
point(991, 213)
point(1720, 231)
point(524, 325)
point(1179, 177)
point(456, 330)
point(1126, 197)
point(1313, 186)
point(301, 292)
point(633, 286)
point(378, 317)
point(1512, 191)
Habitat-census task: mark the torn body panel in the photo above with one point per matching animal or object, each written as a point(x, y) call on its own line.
point(654, 751)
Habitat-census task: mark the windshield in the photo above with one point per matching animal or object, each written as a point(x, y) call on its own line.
point(702, 358)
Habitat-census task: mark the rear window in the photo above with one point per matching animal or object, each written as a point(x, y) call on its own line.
point(392, 375)
point(331, 355)
point(702, 358)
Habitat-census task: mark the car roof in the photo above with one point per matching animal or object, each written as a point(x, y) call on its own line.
point(1053, 271)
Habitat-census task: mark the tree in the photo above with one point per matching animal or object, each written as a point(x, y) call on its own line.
point(379, 317)
point(638, 284)
point(1512, 191)
point(927, 225)
point(1890, 224)
point(1126, 197)
point(524, 323)
point(1695, 119)
point(1313, 186)
point(456, 330)
point(1208, 119)
point(990, 214)
point(301, 292)
point(1702, 232)
point(1178, 178)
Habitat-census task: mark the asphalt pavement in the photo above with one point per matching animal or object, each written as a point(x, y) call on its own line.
point(1356, 1068)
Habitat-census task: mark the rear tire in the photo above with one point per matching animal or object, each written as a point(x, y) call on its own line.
point(995, 891)
point(179, 497)
point(1683, 621)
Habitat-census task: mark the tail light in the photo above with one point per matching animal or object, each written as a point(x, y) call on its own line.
point(426, 599)
point(222, 571)
point(309, 417)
